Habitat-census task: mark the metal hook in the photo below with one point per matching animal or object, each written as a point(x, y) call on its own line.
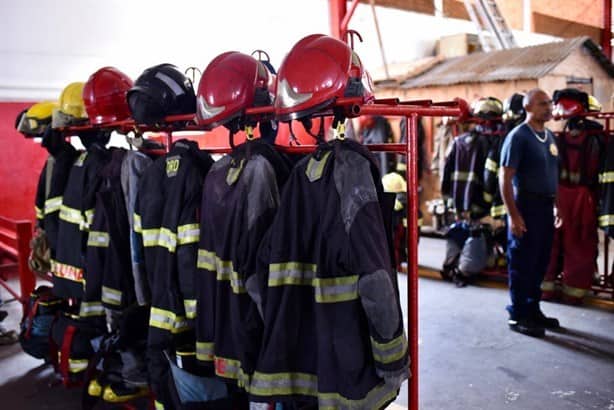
point(193, 71)
point(350, 34)
point(340, 131)
point(260, 53)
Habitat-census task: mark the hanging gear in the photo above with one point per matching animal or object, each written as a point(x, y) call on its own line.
point(160, 91)
point(104, 95)
point(318, 70)
point(37, 118)
point(569, 102)
point(39, 260)
point(230, 84)
point(41, 311)
point(71, 110)
point(487, 108)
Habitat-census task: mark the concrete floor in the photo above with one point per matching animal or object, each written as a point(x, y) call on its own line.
point(469, 359)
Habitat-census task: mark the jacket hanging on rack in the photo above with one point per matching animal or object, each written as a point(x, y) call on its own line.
point(168, 212)
point(240, 198)
point(492, 194)
point(464, 172)
point(574, 249)
point(333, 325)
point(606, 189)
point(76, 216)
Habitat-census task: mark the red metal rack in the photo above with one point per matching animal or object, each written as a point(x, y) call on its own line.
point(15, 242)
point(353, 107)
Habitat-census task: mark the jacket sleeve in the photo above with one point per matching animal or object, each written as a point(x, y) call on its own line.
point(446, 179)
point(39, 200)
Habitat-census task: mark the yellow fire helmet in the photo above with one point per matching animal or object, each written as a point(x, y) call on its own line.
point(394, 182)
point(594, 104)
point(37, 118)
point(71, 110)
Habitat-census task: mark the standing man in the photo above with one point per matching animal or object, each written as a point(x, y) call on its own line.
point(528, 182)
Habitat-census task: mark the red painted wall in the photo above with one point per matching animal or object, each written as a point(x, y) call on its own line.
point(21, 161)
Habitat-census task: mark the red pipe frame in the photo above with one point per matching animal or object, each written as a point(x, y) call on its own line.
point(392, 107)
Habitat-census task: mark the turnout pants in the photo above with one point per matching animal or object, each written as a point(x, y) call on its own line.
point(575, 245)
point(528, 255)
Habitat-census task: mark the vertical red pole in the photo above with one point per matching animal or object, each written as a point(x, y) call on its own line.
point(412, 249)
point(336, 12)
point(27, 281)
point(606, 34)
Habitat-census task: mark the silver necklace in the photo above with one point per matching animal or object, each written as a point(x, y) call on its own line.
point(540, 139)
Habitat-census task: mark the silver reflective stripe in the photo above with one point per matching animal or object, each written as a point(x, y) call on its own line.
point(391, 351)
point(88, 309)
point(224, 269)
point(53, 204)
point(206, 260)
point(160, 318)
point(292, 273)
point(190, 308)
point(606, 220)
point(180, 324)
point(77, 365)
point(340, 289)
point(111, 296)
point(463, 176)
point(71, 215)
point(98, 239)
point(204, 351)
point(167, 239)
point(150, 237)
point(171, 83)
point(491, 165)
point(375, 399)
point(188, 233)
point(268, 384)
point(606, 177)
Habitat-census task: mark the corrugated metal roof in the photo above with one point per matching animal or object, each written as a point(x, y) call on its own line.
point(513, 64)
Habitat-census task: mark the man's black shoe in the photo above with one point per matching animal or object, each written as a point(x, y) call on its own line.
point(546, 322)
point(526, 327)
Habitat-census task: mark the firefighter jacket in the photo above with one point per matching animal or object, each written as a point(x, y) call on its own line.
point(492, 195)
point(240, 198)
point(580, 149)
point(108, 271)
point(76, 216)
point(50, 190)
point(606, 181)
point(464, 172)
point(132, 169)
point(167, 215)
point(333, 325)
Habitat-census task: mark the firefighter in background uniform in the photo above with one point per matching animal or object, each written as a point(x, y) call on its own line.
point(333, 334)
point(528, 181)
point(575, 246)
point(513, 115)
point(606, 189)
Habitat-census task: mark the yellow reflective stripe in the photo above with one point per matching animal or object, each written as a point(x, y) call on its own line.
point(487, 197)
point(224, 269)
point(390, 351)
point(180, 324)
point(71, 215)
point(167, 239)
point(65, 271)
point(205, 351)
point(491, 165)
point(77, 365)
point(606, 177)
point(89, 217)
point(574, 292)
point(89, 309)
point(269, 384)
point(291, 273)
point(547, 286)
point(150, 237)
point(53, 205)
point(137, 225)
point(98, 239)
point(189, 233)
point(231, 369)
point(339, 289)
point(315, 167)
point(463, 176)
point(375, 399)
point(39, 213)
point(190, 308)
point(162, 319)
point(499, 210)
point(158, 405)
point(606, 220)
point(111, 296)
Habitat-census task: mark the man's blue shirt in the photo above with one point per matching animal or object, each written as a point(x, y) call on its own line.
point(536, 163)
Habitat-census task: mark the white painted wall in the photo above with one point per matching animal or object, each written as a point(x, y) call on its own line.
point(47, 44)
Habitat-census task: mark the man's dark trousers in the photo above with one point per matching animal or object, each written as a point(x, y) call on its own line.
point(529, 255)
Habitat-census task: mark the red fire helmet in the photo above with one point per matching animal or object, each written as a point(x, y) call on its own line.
point(230, 84)
point(318, 70)
point(104, 96)
point(567, 107)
